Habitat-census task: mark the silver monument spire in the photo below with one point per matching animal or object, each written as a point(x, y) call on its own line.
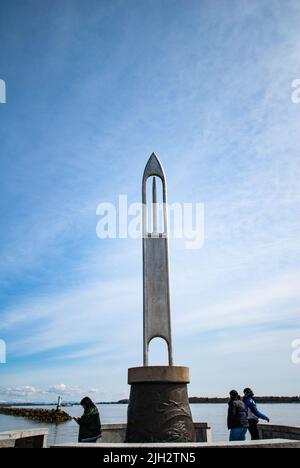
point(156, 293)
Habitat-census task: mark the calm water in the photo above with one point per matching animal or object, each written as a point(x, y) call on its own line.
point(216, 414)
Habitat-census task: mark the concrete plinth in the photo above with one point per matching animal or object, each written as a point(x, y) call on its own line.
point(158, 409)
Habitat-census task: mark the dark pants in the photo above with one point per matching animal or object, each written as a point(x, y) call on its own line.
point(253, 429)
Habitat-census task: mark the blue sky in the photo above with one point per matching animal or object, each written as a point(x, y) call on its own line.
point(92, 89)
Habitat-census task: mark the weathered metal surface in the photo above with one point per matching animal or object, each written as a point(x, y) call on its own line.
point(159, 412)
point(156, 292)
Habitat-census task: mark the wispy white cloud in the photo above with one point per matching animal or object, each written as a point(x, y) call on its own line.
point(28, 391)
point(64, 389)
point(269, 303)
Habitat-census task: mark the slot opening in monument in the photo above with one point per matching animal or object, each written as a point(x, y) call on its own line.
point(155, 214)
point(158, 352)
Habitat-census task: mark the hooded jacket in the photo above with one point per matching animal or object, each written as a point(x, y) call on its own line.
point(89, 424)
point(253, 412)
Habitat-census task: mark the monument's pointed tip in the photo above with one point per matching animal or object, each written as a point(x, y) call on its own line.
point(154, 158)
point(153, 167)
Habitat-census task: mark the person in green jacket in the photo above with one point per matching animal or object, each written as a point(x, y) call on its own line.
point(89, 422)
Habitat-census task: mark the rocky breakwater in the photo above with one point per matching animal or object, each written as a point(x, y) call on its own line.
point(38, 414)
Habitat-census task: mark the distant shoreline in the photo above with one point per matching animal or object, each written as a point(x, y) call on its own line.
point(200, 400)
point(258, 399)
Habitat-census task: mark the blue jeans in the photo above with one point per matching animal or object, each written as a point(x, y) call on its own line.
point(238, 433)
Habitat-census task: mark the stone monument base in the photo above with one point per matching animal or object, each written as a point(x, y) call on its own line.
point(158, 409)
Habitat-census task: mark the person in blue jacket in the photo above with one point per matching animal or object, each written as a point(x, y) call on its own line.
point(254, 415)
